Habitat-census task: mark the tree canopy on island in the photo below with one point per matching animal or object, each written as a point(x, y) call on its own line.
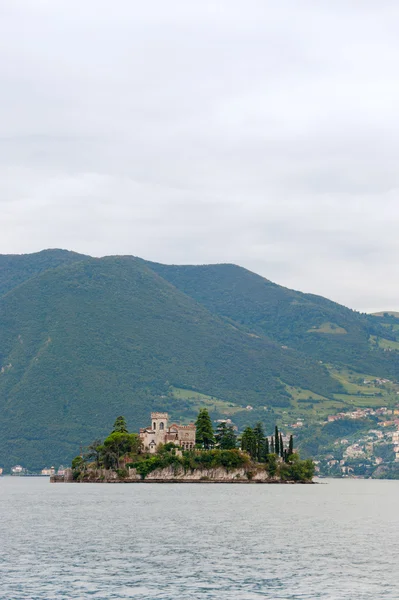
point(120, 425)
point(122, 449)
point(225, 436)
point(204, 436)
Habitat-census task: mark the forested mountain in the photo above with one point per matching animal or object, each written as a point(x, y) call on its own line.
point(84, 339)
point(311, 324)
point(17, 268)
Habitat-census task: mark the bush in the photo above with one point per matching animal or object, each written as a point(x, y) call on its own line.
point(78, 466)
point(212, 459)
point(298, 470)
point(205, 459)
point(144, 467)
point(78, 463)
point(122, 473)
point(271, 464)
point(169, 447)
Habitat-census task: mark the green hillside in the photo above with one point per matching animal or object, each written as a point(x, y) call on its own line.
point(86, 339)
point(18, 268)
point(313, 325)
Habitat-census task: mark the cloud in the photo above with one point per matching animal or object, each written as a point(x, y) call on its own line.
point(260, 133)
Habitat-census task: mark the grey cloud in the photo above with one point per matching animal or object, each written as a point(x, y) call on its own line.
point(260, 133)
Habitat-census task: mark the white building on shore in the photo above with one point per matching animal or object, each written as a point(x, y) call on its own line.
point(48, 472)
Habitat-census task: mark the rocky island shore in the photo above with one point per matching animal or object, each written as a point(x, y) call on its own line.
point(177, 475)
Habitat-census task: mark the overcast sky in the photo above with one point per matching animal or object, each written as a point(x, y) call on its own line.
point(259, 132)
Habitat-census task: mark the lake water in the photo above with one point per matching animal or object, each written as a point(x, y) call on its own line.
point(337, 540)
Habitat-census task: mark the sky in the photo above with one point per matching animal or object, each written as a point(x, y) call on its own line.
point(254, 132)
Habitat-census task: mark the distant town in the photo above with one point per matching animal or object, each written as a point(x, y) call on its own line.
point(20, 471)
point(366, 449)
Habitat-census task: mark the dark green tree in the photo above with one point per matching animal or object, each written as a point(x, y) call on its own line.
point(78, 466)
point(93, 452)
point(109, 457)
point(248, 442)
point(266, 450)
point(78, 463)
point(220, 433)
point(120, 425)
point(117, 445)
point(291, 446)
point(272, 445)
point(225, 436)
point(260, 440)
point(276, 441)
point(298, 470)
point(272, 464)
point(204, 436)
point(281, 446)
point(230, 442)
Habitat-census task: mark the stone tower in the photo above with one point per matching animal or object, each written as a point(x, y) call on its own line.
point(159, 423)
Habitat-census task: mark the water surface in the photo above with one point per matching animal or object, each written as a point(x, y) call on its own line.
point(338, 540)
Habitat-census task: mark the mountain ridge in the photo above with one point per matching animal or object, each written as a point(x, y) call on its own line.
point(83, 339)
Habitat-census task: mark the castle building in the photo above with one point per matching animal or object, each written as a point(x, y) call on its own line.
point(159, 433)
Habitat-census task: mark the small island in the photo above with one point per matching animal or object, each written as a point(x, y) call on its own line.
point(194, 453)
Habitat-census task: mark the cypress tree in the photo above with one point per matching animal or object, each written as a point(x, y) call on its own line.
point(259, 440)
point(276, 441)
point(281, 446)
point(265, 453)
point(291, 446)
point(272, 445)
point(204, 434)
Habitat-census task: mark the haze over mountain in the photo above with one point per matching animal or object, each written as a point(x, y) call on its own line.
point(84, 339)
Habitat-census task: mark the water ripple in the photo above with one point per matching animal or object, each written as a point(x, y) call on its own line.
point(330, 542)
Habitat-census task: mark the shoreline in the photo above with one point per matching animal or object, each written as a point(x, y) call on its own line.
point(54, 479)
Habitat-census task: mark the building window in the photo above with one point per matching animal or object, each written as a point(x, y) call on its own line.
point(161, 426)
point(154, 426)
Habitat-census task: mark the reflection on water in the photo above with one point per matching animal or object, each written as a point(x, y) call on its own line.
point(337, 540)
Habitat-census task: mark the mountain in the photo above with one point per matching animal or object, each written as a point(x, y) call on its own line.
point(89, 339)
point(85, 339)
point(17, 268)
point(308, 323)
